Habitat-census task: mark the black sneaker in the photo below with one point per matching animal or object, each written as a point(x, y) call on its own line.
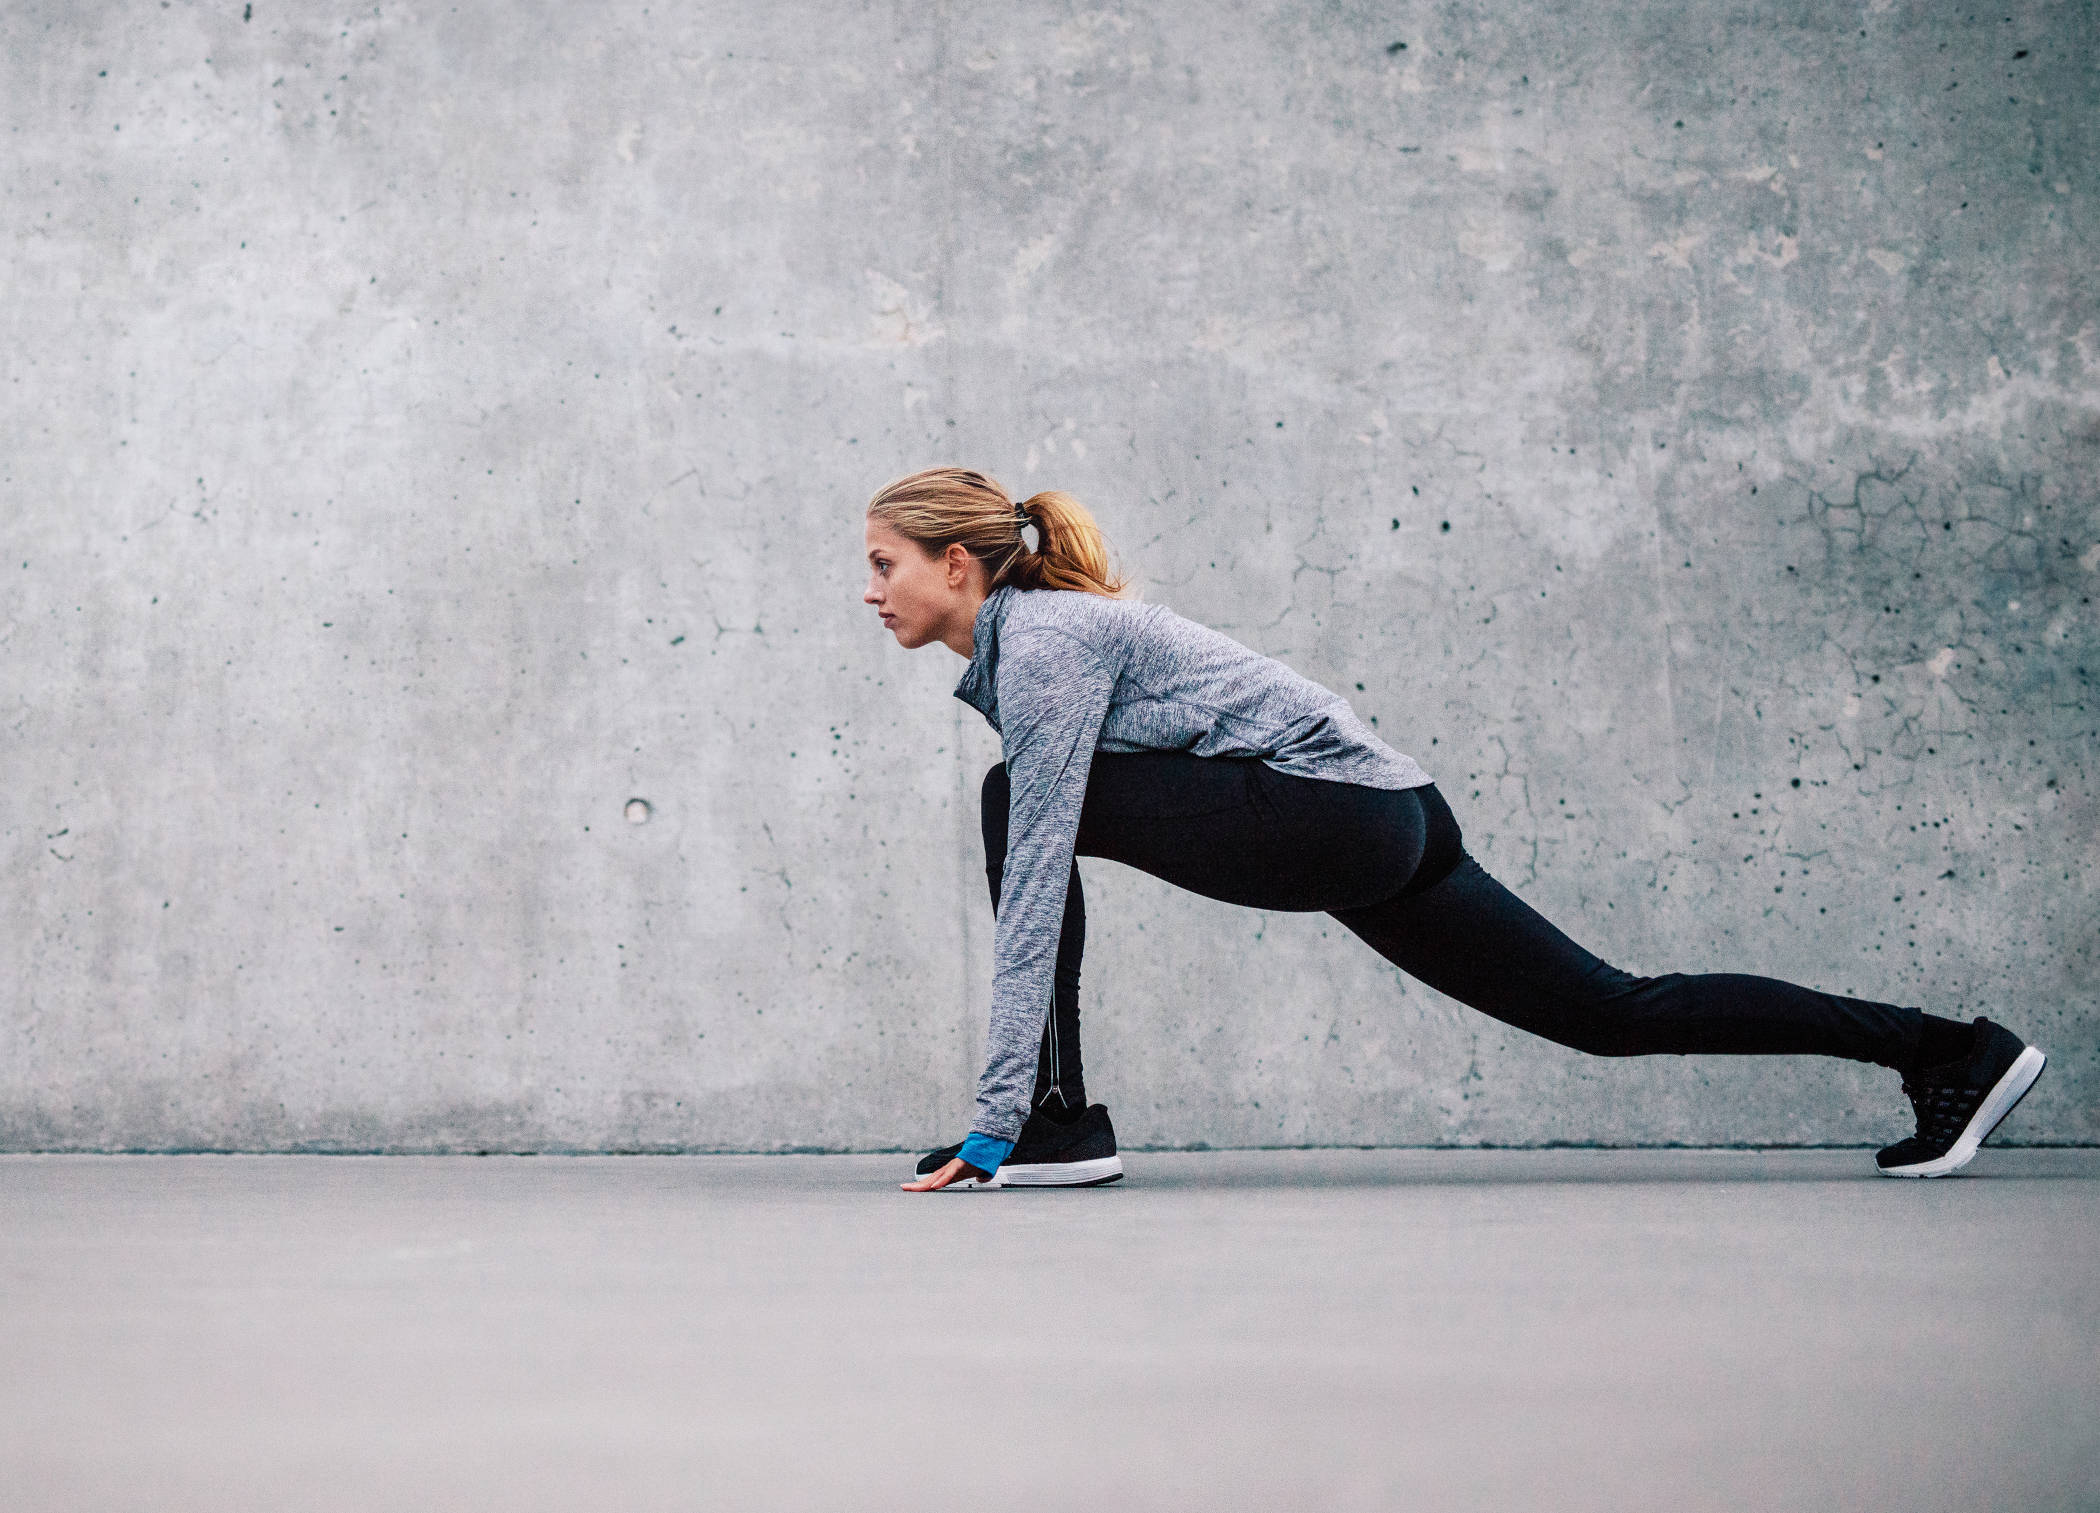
point(1049, 1154)
point(1960, 1103)
point(933, 1161)
point(1038, 1125)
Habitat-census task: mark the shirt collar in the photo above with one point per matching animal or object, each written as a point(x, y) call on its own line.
point(975, 689)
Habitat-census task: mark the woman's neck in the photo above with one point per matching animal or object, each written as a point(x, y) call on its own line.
point(961, 635)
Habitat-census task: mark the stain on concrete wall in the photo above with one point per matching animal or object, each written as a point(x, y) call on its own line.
point(433, 430)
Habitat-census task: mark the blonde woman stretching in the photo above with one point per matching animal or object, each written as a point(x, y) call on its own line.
point(1131, 733)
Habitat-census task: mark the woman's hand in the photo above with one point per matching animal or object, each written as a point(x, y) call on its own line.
point(954, 1171)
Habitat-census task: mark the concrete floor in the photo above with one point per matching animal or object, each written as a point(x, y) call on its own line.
point(1675, 1330)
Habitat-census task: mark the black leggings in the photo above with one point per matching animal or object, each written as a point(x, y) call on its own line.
point(1388, 863)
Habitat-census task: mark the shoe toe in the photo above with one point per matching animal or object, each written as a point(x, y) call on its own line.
point(933, 1161)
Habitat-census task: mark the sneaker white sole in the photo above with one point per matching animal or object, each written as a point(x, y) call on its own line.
point(1053, 1174)
point(1997, 1103)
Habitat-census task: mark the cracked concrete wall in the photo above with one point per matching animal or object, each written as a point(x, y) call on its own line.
point(433, 427)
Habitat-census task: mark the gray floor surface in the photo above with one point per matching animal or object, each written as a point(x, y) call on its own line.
point(1676, 1330)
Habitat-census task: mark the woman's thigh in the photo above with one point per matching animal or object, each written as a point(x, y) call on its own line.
point(1473, 939)
point(1237, 830)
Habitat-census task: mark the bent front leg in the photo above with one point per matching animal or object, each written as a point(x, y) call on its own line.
point(1060, 1077)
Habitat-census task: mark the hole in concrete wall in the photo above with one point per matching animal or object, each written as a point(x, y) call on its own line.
point(638, 811)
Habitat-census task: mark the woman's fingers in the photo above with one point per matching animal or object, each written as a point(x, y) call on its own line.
point(930, 1181)
point(954, 1171)
point(935, 1181)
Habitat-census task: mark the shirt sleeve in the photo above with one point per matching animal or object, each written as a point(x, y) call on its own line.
point(1053, 697)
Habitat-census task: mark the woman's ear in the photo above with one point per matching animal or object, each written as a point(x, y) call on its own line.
point(957, 561)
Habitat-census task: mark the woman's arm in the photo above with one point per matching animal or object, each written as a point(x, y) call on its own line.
point(1053, 696)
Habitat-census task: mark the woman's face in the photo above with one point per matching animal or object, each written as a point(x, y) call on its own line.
point(918, 596)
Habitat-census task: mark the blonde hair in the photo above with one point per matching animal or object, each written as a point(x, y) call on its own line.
point(941, 506)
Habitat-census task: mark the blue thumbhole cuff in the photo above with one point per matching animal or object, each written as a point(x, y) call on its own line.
point(984, 1152)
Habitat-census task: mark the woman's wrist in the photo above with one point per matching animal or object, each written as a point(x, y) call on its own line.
point(985, 1152)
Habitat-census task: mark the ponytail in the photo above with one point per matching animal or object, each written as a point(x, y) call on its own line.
point(941, 506)
point(1072, 554)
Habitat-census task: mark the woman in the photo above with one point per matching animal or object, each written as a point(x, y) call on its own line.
point(1134, 734)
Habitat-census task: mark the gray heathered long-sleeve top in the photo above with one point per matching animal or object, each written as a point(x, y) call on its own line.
point(1061, 675)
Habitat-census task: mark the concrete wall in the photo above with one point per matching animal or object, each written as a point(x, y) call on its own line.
point(430, 427)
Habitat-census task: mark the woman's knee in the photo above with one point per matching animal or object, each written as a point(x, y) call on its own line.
point(1622, 1014)
point(1596, 1035)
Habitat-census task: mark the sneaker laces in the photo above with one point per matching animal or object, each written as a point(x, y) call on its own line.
point(1944, 1108)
